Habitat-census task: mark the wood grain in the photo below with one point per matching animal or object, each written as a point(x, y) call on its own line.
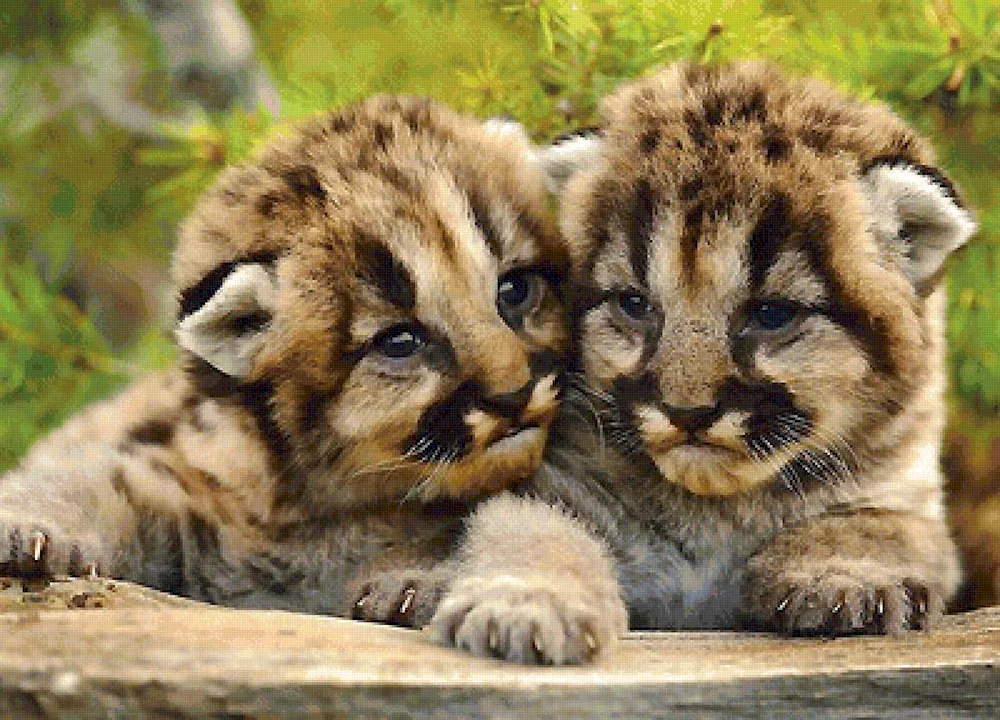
point(146, 654)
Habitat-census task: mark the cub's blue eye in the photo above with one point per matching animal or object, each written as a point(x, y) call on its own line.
point(518, 295)
point(634, 304)
point(400, 342)
point(773, 314)
point(514, 289)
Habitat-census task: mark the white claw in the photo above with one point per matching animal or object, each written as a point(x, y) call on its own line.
point(536, 644)
point(408, 595)
point(591, 642)
point(881, 606)
point(37, 544)
point(92, 571)
point(784, 603)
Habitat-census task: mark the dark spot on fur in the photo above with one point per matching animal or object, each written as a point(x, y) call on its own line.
point(195, 297)
point(776, 144)
point(152, 432)
point(304, 182)
point(768, 237)
point(696, 128)
point(382, 271)
point(383, 135)
point(690, 188)
point(266, 204)
point(649, 140)
point(205, 535)
point(817, 137)
point(753, 106)
point(340, 123)
point(312, 410)
point(714, 105)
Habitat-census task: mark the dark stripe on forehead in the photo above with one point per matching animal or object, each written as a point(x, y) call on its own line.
point(378, 268)
point(484, 222)
point(694, 219)
point(870, 332)
point(640, 229)
point(768, 237)
point(196, 296)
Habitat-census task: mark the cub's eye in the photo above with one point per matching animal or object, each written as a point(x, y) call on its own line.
point(518, 294)
point(771, 315)
point(400, 341)
point(634, 304)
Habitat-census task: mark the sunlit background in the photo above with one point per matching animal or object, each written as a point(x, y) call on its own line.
point(115, 115)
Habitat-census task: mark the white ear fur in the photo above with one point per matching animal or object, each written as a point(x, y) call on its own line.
point(506, 127)
point(563, 159)
point(214, 332)
point(918, 212)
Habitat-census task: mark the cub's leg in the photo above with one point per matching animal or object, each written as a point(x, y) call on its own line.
point(93, 508)
point(868, 572)
point(532, 585)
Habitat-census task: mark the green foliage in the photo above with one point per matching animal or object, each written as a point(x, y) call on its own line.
point(80, 188)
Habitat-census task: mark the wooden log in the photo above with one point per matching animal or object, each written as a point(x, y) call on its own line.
point(147, 654)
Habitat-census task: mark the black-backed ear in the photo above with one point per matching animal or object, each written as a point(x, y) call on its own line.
point(918, 211)
point(568, 155)
point(228, 330)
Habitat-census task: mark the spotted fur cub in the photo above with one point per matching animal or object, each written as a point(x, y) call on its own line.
point(369, 327)
point(756, 430)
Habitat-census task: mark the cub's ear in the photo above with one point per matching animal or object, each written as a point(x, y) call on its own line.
point(229, 327)
point(568, 155)
point(918, 211)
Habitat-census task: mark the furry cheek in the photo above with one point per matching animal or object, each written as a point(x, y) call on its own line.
point(372, 403)
point(608, 353)
point(805, 368)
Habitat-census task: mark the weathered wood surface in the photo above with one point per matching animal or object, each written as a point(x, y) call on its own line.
point(147, 654)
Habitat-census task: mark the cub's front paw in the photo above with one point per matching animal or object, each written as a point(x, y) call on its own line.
point(833, 604)
point(407, 598)
point(533, 622)
point(36, 552)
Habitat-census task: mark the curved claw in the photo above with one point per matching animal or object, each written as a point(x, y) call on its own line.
point(408, 594)
point(38, 541)
point(358, 610)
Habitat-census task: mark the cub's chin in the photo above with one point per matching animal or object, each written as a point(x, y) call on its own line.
point(710, 470)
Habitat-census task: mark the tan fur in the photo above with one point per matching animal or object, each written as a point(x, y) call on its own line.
point(756, 427)
point(289, 458)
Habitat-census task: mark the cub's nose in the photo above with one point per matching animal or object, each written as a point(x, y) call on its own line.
point(692, 419)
